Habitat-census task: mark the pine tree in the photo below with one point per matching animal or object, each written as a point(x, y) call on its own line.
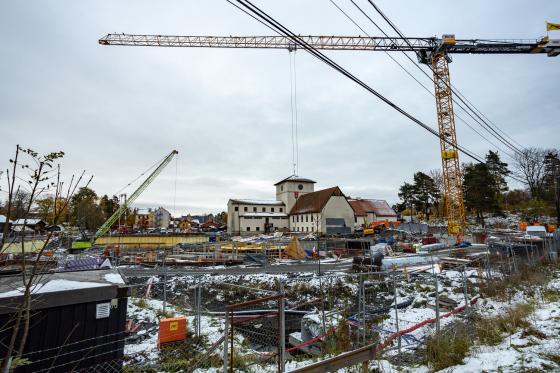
point(480, 195)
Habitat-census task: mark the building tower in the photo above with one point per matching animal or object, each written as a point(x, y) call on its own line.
point(291, 188)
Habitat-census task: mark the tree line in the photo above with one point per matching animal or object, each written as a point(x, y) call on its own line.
point(486, 190)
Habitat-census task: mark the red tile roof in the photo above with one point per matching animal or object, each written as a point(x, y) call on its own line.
point(378, 206)
point(314, 202)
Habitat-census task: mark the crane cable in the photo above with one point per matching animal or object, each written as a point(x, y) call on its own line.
point(263, 18)
point(450, 86)
point(417, 81)
point(283, 31)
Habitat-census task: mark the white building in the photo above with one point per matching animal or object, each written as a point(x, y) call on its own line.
point(162, 218)
point(297, 208)
point(250, 215)
point(326, 211)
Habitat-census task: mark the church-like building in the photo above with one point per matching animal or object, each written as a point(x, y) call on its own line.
point(297, 208)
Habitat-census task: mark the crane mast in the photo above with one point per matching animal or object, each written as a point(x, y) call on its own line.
point(122, 208)
point(431, 51)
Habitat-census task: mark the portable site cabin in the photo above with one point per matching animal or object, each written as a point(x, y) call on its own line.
point(78, 320)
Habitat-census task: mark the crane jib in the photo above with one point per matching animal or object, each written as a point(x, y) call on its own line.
point(333, 42)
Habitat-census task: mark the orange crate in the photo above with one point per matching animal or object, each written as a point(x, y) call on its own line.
point(172, 329)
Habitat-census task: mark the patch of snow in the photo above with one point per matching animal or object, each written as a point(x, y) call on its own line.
point(52, 286)
point(114, 278)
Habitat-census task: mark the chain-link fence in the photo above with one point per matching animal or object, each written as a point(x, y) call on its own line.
point(270, 322)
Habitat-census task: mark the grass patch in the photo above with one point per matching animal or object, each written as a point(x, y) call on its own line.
point(140, 303)
point(490, 330)
point(447, 348)
point(551, 295)
point(527, 277)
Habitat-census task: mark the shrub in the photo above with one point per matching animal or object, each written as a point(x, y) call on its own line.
point(447, 348)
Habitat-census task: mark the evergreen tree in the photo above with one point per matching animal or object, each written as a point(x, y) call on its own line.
point(480, 195)
point(552, 180)
point(499, 170)
point(425, 193)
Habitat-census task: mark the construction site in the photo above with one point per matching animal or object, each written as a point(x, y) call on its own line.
point(416, 247)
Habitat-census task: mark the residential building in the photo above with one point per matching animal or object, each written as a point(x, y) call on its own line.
point(3, 222)
point(162, 218)
point(144, 218)
point(367, 211)
point(31, 225)
point(325, 211)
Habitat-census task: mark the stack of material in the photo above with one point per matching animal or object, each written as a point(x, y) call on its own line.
point(294, 250)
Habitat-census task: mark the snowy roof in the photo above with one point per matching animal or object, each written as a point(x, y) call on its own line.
point(264, 214)
point(64, 288)
point(28, 221)
point(238, 201)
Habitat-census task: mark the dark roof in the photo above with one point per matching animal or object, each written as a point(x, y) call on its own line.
point(378, 206)
point(295, 179)
point(314, 201)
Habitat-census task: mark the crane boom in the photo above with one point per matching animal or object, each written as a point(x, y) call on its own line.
point(107, 225)
point(430, 51)
point(390, 44)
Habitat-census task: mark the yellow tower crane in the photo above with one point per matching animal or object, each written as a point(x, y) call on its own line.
point(432, 51)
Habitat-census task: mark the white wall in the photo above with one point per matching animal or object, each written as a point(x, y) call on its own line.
point(338, 207)
point(233, 223)
point(305, 223)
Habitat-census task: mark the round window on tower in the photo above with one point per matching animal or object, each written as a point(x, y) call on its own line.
point(300, 186)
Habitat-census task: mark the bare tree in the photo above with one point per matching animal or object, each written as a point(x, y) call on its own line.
point(38, 178)
point(530, 167)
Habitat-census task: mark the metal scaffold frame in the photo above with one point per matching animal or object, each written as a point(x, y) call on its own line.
point(452, 179)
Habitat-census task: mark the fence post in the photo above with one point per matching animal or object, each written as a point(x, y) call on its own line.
point(396, 311)
point(198, 306)
point(364, 311)
point(226, 340)
point(282, 329)
point(465, 289)
point(437, 292)
point(164, 282)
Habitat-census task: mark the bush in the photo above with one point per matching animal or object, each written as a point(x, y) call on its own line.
point(447, 348)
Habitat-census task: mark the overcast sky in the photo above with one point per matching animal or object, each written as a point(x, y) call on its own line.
point(117, 110)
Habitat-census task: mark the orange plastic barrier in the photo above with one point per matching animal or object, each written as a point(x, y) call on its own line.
point(172, 329)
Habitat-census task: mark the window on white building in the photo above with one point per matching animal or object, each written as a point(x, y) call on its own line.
point(236, 208)
point(254, 209)
point(307, 218)
point(264, 209)
point(281, 209)
point(245, 208)
point(258, 229)
point(272, 209)
point(312, 218)
point(248, 229)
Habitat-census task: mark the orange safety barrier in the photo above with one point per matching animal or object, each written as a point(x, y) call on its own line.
point(172, 329)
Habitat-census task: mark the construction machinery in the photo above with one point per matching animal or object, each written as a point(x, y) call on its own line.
point(86, 243)
point(432, 51)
